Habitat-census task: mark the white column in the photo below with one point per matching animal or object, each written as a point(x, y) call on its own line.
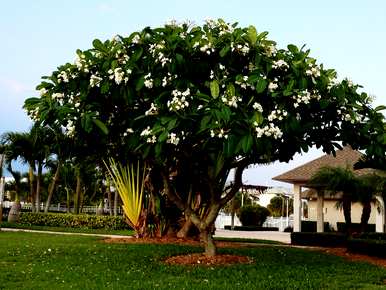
point(380, 216)
point(319, 213)
point(297, 208)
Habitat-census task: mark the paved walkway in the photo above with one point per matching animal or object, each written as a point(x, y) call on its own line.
point(260, 235)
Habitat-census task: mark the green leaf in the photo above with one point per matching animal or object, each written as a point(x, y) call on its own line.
point(231, 91)
point(98, 45)
point(204, 122)
point(293, 48)
point(179, 58)
point(101, 126)
point(261, 85)
point(105, 87)
point(246, 143)
point(224, 51)
point(252, 35)
point(258, 118)
point(380, 108)
point(140, 84)
point(137, 54)
point(214, 89)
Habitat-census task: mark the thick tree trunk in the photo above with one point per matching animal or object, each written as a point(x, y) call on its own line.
point(210, 246)
point(38, 186)
point(183, 233)
point(51, 188)
point(366, 211)
point(31, 176)
point(77, 194)
point(347, 212)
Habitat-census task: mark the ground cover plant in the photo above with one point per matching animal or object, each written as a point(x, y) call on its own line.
point(38, 261)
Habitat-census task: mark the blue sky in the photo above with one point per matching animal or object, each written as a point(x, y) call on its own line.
point(37, 36)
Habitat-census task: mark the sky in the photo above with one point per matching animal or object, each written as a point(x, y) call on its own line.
point(37, 36)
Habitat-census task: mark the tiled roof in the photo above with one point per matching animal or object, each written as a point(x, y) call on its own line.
point(346, 157)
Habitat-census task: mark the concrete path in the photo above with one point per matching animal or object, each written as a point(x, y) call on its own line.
point(260, 235)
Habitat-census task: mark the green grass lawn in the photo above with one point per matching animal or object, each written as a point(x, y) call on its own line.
point(67, 229)
point(42, 261)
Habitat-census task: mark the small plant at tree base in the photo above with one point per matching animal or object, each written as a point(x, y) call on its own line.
point(129, 183)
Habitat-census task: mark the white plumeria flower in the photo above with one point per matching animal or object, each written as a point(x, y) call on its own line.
point(257, 107)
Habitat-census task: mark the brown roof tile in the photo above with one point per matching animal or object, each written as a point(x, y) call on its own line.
point(346, 157)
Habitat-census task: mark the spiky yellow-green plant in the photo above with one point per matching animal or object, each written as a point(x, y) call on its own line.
point(129, 184)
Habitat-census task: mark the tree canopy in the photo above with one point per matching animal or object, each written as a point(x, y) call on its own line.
point(198, 101)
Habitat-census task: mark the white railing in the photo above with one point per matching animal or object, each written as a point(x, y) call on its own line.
point(90, 209)
point(279, 222)
point(224, 219)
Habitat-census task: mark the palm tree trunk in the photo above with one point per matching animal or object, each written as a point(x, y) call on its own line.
point(51, 188)
point(366, 211)
point(77, 194)
point(38, 186)
point(31, 178)
point(109, 198)
point(68, 201)
point(347, 212)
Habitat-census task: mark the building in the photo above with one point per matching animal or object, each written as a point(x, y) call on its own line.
point(323, 207)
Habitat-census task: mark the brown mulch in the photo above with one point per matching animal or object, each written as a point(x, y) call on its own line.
point(342, 252)
point(202, 260)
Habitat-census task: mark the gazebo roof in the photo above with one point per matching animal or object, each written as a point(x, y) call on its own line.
point(346, 157)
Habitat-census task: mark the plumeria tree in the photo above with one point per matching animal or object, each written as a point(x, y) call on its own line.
point(196, 102)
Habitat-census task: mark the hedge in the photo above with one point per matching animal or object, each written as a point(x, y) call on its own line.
point(311, 226)
point(318, 239)
point(251, 228)
point(73, 221)
point(355, 227)
point(371, 247)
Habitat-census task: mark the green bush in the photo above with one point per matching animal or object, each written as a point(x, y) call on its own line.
point(371, 236)
point(73, 221)
point(371, 247)
point(253, 215)
point(318, 239)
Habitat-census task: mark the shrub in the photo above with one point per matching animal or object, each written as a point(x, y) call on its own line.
point(251, 228)
point(371, 247)
point(73, 221)
point(371, 236)
point(310, 226)
point(318, 239)
point(253, 215)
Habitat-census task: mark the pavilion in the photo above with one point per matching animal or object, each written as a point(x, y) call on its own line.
point(301, 175)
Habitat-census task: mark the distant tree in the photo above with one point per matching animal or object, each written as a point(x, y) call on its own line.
point(278, 206)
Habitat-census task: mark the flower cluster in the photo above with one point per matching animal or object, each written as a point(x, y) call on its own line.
point(179, 100)
point(163, 59)
point(272, 86)
point(167, 79)
point(280, 64)
point(34, 114)
point(277, 115)
point(313, 70)
point(258, 107)
point(244, 83)
point(63, 77)
point(242, 48)
point(152, 111)
point(128, 131)
point(70, 128)
point(219, 133)
point(270, 50)
point(268, 131)
point(136, 39)
point(119, 75)
point(231, 101)
point(305, 97)
point(148, 81)
point(95, 80)
point(148, 133)
point(173, 139)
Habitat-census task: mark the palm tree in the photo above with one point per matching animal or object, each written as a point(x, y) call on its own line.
point(338, 179)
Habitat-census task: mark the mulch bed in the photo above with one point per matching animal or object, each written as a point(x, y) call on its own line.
point(221, 260)
point(342, 252)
